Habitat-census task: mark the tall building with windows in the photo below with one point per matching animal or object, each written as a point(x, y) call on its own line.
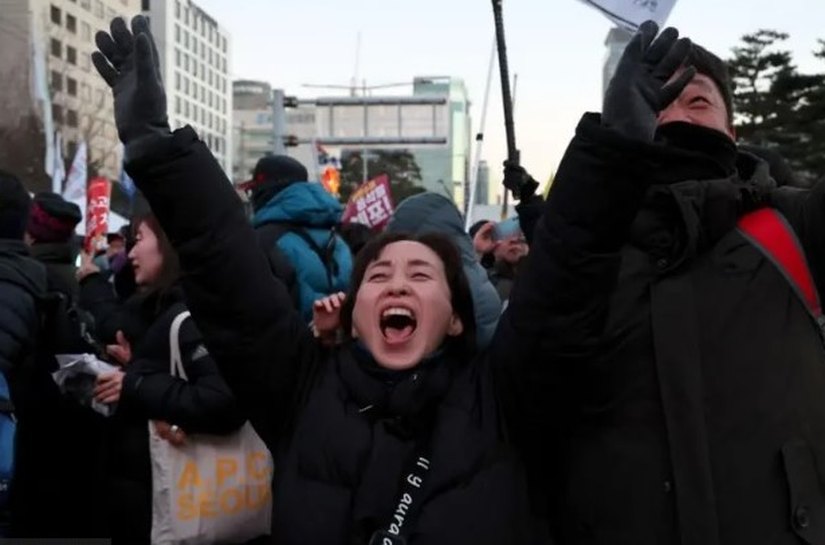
point(252, 126)
point(446, 169)
point(195, 64)
point(48, 43)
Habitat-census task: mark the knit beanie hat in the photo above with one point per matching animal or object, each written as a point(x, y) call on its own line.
point(52, 218)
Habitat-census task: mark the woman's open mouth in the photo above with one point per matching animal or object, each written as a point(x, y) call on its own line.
point(397, 324)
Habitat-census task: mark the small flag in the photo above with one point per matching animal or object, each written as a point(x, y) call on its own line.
point(631, 14)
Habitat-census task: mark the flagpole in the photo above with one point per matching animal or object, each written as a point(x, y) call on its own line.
point(507, 99)
point(479, 142)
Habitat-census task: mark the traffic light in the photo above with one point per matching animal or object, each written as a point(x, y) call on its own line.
point(290, 102)
point(290, 140)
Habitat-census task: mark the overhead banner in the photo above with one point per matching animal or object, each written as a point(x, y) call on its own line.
point(371, 204)
point(97, 214)
point(632, 13)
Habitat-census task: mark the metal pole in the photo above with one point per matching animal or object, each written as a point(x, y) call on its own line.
point(480, 141)
point(507, 99)
point(278, 122)
point(506, 203)
point(366, 122)
point(512, 151)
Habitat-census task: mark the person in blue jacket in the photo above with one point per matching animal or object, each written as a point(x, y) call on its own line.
point(295, 221)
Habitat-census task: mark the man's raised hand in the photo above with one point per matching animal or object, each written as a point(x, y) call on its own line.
point(644, 82)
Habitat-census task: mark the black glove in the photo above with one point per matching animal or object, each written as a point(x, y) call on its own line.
point(640, 90)
point(128, 61)
point(517, 180)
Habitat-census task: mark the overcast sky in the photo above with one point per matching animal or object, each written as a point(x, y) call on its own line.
point(555, 46)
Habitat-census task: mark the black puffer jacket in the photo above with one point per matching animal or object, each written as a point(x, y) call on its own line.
point(22, 287)
point(675, 373)
point(50, 499)
point(342, 436)
point(203, 405)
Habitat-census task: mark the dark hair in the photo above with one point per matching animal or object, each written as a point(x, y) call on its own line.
point(15, 203)
point(476, 227)
point(356, 235)
point(462, 346)
point(716, 69)
point(170, 271)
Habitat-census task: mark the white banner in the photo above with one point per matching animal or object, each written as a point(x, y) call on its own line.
point(76, 185)
point(632, 13)
point(58, 168)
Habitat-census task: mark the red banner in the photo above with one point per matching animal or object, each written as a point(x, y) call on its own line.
point(97, 214)
point(371, 204)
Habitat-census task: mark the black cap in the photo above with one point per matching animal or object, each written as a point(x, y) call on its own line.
point(280, 169)
point(272, 174)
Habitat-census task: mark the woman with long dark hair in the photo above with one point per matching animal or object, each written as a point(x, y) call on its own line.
point(145, 391)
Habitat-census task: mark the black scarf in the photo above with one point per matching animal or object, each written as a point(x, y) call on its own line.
point(699, 187)
point(409, 397)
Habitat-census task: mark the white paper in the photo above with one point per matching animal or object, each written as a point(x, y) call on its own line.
point(76, 377)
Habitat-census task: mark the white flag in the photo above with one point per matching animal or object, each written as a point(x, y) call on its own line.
point(58, 169)
point(76, 184)
point(632, 13)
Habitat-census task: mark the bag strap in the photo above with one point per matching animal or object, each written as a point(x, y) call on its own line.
point(175, 359)
point(409, 501)
point(770, 232)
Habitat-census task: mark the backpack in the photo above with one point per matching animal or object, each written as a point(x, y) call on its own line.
point(8, 432)
point(770, 232)
point(270, 233)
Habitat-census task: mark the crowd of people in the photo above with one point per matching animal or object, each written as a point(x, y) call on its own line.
point(630, 361)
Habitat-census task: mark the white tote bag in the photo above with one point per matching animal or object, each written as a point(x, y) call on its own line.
point(214, 489)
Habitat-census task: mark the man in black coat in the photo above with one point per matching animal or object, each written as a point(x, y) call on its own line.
point(681, 381)
point(22, 288)
point(22, 279)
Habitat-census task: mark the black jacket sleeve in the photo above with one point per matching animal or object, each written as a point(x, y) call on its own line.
point(203, 403)
point(98, 298)
point(560, 299)
point(19, 321)
point(261, 345)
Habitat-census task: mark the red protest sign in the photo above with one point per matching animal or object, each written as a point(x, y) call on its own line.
point(371, 204)
point(97, 214)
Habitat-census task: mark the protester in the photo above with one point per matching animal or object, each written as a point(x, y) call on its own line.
point(146, 391)
point(671, 366)
point(55, 502)
point(435, 213)
point(510, 248)
point(402, 400)
point(481, 232)
point(22, 284)
point(295, 220)
point(50, 236)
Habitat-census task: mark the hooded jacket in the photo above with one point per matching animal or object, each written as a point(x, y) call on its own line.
point(434, 213)
point(309, 207)
point(671, 368)
point(341, 431)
